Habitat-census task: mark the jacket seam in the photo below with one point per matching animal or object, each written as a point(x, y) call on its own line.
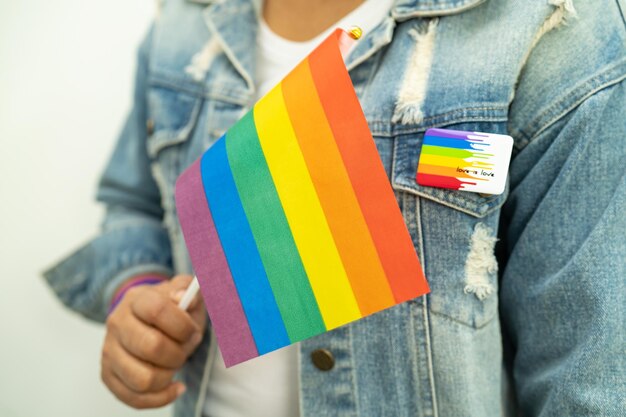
point(570, 101)
point(621, 11)
point(204, 382)
point(199, 92)
point(429, 356)
point(463, 323)
point(426, 316)
point(399, 187)
point(355, 387)
point(462, 115)
point(442, 11)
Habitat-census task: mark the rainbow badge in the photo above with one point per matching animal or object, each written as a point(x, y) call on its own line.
point(290, 221)
point(468, 161)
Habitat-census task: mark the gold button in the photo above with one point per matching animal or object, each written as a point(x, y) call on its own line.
point(355, 32)
point(150, 126)
point(323, 359)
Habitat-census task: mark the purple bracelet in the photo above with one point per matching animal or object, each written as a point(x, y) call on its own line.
point(140, 280)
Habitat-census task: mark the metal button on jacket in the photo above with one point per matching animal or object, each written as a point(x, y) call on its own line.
point(323, 359)
point(150, 126)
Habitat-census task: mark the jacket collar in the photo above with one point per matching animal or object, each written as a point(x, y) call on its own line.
point(407, 9)
point(233, 22)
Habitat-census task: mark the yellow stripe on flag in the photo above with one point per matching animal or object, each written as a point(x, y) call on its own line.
point(339, 202)
point(304, 213)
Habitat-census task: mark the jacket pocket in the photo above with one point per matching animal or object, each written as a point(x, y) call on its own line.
point(454, 234)
point(172, 115)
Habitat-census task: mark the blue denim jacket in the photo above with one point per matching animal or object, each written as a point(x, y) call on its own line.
point(532, 325)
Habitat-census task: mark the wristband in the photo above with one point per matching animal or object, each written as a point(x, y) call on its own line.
point(134, 282)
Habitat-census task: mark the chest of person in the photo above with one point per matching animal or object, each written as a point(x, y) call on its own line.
point(410, 73)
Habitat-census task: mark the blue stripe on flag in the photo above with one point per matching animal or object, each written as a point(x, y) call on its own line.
point(241, 252)
point(448, 142)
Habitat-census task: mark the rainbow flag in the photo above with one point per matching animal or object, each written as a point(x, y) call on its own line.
point(290, 221)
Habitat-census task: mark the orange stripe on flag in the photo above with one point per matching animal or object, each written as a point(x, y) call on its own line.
point(334, 190)
point(304, 212)
point(369, 180)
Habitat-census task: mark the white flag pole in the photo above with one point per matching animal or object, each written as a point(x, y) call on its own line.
point(190, 293)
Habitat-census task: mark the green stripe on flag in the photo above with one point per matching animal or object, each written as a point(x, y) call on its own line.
point(271, 231)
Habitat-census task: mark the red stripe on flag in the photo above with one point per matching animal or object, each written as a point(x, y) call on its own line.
point(335, 192)
point(369, 180)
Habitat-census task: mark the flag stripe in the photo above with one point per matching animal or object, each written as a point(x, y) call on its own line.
point(338, 201)
point(277, 248)
point(241, 252)
point(304, 213)
point(452, 162)
point(371, 186)
point(444, 161)
point(441, 181)
point(453, 134)
point(441, 151)
point(448, 142)
point(205, 250)
point(447, 171)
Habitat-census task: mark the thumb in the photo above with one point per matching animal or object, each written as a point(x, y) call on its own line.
point(178, 285)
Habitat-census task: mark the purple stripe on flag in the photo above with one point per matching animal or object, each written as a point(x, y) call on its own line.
point(216, 282)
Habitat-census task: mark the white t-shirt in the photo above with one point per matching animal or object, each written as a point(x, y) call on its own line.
point(268, 386)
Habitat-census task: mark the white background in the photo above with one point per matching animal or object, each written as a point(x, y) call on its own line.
point(66, 69)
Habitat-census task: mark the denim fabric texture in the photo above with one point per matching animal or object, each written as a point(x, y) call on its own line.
point(532, 325)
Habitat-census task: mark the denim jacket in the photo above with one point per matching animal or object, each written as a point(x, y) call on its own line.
point(532, 325)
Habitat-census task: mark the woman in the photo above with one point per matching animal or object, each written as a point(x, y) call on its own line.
point(532, 326)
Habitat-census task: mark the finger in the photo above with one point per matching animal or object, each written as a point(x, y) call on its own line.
point(141, 400)
point(148, 343)
point(196, 302)
point(138, 375)
point(177, 295)
point(180, 282)
point(157, 310)
point(198, 315)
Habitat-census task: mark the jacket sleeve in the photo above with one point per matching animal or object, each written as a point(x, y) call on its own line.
point(563, 228)
point(132, 240)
